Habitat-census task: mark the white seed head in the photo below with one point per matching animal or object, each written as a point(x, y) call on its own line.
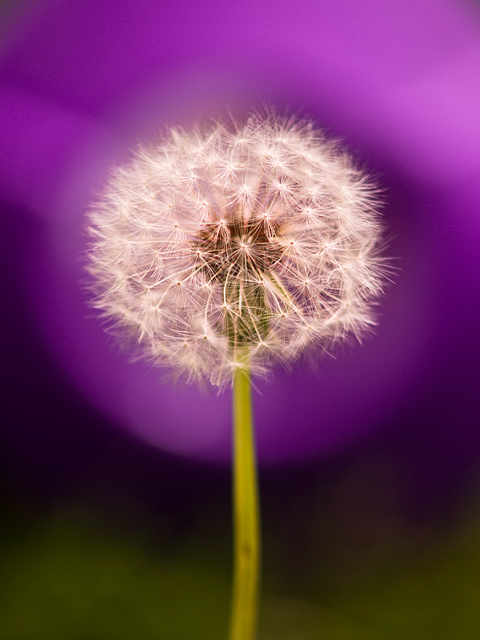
point(223, 246)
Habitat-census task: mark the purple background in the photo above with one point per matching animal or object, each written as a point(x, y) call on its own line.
point(399, 82)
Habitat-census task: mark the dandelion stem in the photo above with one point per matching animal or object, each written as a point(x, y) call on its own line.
point(246, 513)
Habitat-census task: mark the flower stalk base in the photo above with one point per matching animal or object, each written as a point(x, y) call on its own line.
point(246, 514)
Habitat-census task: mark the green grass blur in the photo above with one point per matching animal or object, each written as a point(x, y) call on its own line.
point(75, 571)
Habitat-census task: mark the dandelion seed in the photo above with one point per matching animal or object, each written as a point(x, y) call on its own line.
point(250, 245)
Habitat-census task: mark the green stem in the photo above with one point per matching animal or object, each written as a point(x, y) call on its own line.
point(246, 514)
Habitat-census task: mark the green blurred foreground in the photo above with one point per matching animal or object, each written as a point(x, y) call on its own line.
point(70, 575)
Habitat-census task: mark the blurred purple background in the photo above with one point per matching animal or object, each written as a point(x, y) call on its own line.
point(398, 82)
point(370, 482)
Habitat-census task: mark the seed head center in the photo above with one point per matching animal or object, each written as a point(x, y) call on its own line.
point(241, 249)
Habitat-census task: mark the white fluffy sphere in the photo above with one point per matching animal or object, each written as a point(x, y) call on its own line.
point(223, 248)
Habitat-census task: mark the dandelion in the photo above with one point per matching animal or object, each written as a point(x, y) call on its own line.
point(221, 252)
point(220, 248)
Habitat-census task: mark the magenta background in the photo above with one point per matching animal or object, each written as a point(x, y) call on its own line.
point(398, 81)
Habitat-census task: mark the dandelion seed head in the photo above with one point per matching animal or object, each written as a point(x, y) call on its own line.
point(219, 247)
